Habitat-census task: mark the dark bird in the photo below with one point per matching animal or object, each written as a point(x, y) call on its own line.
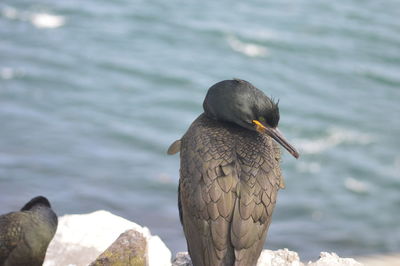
point(25, 235)
point(230, 175)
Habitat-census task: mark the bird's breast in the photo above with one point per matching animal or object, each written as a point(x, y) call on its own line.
point(216, 138)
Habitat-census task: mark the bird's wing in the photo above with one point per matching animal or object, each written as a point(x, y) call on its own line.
point(175, 147)
point(207, 198)
point(257, 191)
point(228, 189)
point(10, 234)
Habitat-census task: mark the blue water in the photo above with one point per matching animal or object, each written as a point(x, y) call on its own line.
point(93, 92)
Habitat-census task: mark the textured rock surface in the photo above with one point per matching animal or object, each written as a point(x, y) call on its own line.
point(80, 239)
point(332, 259)
point(182, 259)
point(282, 257)
point(129, 250)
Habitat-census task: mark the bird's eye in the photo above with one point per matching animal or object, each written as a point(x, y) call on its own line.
point(261, 119)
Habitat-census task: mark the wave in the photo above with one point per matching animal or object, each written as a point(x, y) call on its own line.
point(43, 20)
point(9, 12)
point(39, 20)
point(7, 73)
point(355, 185)
point(334, 137)
point(249, 49)
point(308, 167)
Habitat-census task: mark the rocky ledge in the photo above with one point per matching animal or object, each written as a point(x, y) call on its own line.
point(103, 239)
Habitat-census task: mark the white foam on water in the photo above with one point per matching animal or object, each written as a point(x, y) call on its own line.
point(334, 137)
point(355, 185)
point(39, 20)
point(249, 49)
point(9, 12)
point(308, 167)
point(7, 73)
point(44, 20)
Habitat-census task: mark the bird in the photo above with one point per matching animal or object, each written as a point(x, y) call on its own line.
point(230, 174)
point(26, 234)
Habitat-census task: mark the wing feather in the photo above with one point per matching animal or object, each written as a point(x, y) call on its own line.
point(227, 188)
point(11, 234)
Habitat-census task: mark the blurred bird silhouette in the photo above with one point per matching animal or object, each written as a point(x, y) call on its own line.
point(26, 234)
point(230, 174)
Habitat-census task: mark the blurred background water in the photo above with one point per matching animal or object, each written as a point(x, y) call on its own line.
point(93, 92)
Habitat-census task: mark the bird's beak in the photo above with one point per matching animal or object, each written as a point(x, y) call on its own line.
point(277, 136)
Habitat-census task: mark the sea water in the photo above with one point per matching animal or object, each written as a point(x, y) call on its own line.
point(92, 93)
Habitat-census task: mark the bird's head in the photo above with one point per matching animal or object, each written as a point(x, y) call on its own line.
point(36, 202)
point(238, 101)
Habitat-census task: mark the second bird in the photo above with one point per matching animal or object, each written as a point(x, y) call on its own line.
point(230, 175)
point(26, 234)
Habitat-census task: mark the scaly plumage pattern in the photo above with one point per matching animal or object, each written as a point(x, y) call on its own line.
point(25, 235)
point(229, 179)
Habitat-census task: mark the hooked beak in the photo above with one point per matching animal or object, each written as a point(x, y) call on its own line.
point(276, 134)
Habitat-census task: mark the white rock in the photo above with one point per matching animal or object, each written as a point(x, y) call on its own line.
point(182, 259)
point(157, 252)
point(81, 238)
point(332, 259)
point(280, 257)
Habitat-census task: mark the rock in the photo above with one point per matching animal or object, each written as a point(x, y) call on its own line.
point(129, 249)
point(280, 257)
point(182, 259)
point(332, 259)
point(80, 239)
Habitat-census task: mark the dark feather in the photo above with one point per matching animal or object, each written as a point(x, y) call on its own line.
point(227, 192)
point(25, 235)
